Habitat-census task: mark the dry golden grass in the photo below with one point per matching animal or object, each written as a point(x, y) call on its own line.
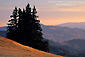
point(10, 48)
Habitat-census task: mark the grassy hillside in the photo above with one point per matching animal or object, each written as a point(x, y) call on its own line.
point(10, 48)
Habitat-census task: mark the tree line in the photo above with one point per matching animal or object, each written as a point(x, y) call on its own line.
point(24, 28)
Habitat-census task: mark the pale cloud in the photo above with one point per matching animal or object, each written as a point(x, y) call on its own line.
point(76, 9)
point(71, 10)
point(66, 2)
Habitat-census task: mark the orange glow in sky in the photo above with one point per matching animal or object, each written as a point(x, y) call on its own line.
point(51, 12)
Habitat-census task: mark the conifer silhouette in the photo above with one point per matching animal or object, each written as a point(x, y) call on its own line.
point(12, 25)
point(25, 29)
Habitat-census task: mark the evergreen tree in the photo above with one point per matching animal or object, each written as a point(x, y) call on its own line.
point(26, 29)
point(20, 27)
point(12, 26)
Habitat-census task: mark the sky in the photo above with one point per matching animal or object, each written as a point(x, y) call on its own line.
point(50, 12)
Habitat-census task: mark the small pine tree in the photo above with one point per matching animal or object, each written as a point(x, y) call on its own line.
point(26, 29)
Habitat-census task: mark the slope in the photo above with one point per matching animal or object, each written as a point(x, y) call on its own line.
point(10, 48)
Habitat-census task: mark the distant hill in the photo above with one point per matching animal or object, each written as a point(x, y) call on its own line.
point(65, 50)
point(3, 33)
point(3, 28)
point(80, 25)
point(60, 34)
point(72, 48)
point(10, 48)
point(77, 44)
point(71, 45)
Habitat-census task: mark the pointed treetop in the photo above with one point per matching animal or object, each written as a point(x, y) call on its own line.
point(19, 9)
point(28, 5)
point(34, 8)
point(15, 8)
point(28, 8)
point(23, 10)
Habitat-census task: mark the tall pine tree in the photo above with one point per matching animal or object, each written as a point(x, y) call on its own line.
point(26, 29)
point(12, 25)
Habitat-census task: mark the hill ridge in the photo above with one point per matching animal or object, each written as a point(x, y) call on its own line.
point(10, 48)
